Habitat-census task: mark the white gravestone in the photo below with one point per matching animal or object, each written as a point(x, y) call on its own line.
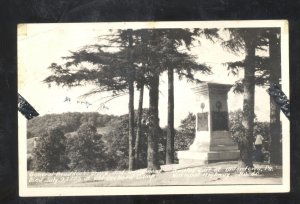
point(213, 140)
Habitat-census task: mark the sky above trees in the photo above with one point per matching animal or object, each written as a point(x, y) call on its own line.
point(41, 44)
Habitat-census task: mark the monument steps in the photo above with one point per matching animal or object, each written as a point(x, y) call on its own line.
point(207, 157)
point(223, 148)
point(222, 141)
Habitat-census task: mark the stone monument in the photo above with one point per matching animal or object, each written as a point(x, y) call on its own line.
point(213, 140)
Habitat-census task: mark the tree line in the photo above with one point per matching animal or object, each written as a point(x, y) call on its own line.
point(128, 60)
point(67, 122)
point(91, 146)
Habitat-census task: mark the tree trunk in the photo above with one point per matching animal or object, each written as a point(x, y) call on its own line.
point(246, 147)
point(275, 125)
point(131, 126)
point(139, 128)
point(152, 154)
point(130, 105)
point(170, 133)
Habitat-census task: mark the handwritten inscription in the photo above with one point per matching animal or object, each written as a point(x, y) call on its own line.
point(36, 178)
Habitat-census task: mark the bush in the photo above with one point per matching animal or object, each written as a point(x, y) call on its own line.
point(186, 133)
point(237, 129)
point(49, 153)
point(86, 150)
point(116, 141)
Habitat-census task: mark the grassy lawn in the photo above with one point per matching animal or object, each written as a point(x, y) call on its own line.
point(176, 174)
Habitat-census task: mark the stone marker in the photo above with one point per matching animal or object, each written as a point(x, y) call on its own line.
point(213, 140)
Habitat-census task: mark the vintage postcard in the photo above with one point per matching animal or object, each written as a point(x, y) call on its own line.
point(145, 108)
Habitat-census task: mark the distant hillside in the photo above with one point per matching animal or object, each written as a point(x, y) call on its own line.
point(68, 122)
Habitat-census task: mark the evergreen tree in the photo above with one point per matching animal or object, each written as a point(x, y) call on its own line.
point(141, 57)
point(246, 40)
point(112, 72)
point(184, 64)
point(267, 71)
point(274, 67)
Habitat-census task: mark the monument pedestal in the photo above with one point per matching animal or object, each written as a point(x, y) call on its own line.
point(213, 140)
point(195, 157)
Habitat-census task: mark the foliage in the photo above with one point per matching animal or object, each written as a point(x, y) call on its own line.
point(139, 57)
point(263, 65)
point(237, 129)
point(67, 122)
point(185, 134)
point(246, 41)
point(116, 141)
point(86, 150)
point(257, 71)
point(49, 153)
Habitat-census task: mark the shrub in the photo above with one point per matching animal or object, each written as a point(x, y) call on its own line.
point(185, 135)
point(49, 153)
point(116, 140)
point(86, 150)
point(237, 129)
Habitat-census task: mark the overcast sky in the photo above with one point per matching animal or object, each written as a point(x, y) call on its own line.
point(41, 44)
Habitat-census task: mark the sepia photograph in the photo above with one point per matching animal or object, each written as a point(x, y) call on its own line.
point(139, 108)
